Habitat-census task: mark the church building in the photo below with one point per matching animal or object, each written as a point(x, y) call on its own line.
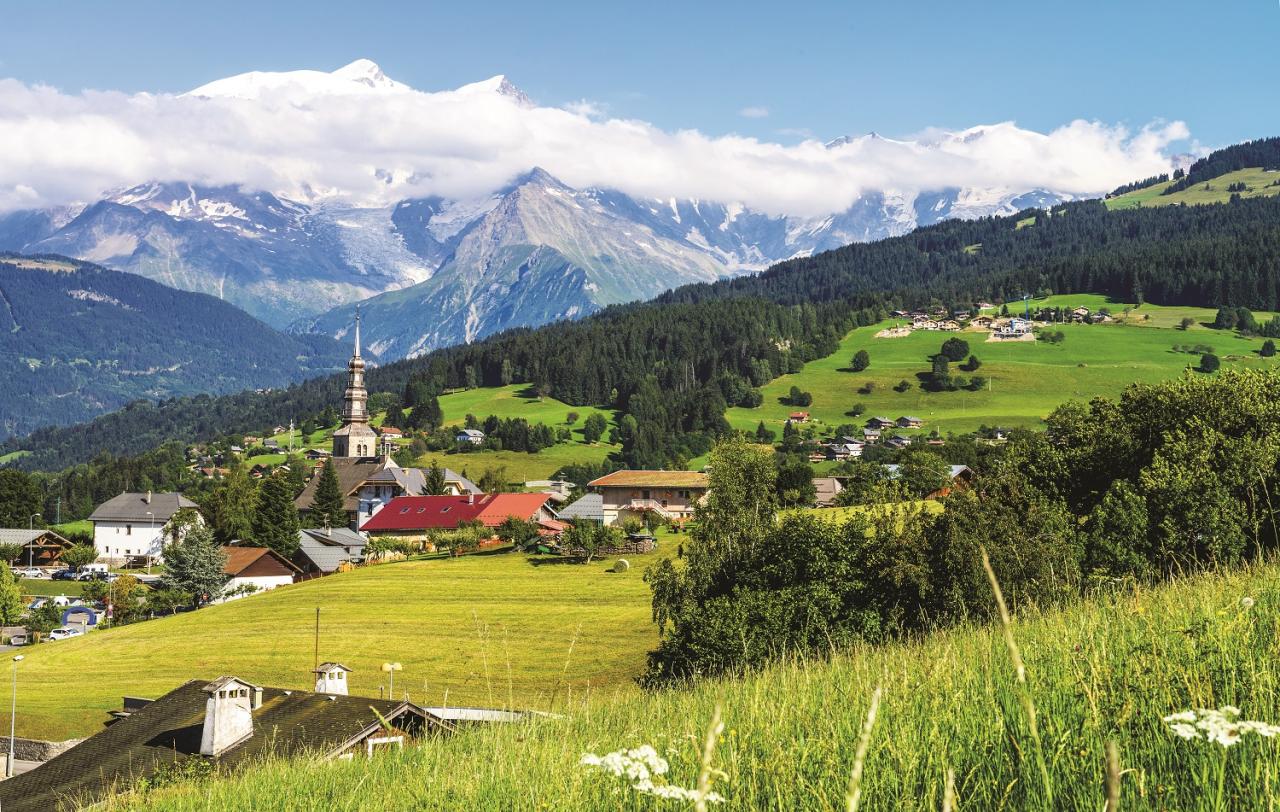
point(356, 438)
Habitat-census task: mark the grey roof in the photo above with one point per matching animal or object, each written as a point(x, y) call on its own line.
point(329, 551)
point(8, 536)
point(956, 470)
point(134, 507)
point(414, 480)
point(590, 506)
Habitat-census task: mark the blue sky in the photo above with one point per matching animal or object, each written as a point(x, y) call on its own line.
point(824, 68)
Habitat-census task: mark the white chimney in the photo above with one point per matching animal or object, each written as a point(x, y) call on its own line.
point(331, 678)
point(148, 497)
point(228, 714)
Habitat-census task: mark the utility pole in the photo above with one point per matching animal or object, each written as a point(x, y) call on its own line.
point(317, 657)
point(13, 715)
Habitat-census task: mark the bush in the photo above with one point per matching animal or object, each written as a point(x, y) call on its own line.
point(1209, 362)
point(1268, 348)
point(955, 349)
point(861, 360)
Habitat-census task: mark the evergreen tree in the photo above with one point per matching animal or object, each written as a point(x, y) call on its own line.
point(765, 435)
point(19, 499)
point(196, 566)
point(327, 509)
point(593, 428)
point(435, 481)
point(1268, 348)
point(1226, 319)
point(229, 509)
point(861, 360)
point(275, 518)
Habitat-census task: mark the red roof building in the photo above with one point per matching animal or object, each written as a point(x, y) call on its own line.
point(409, 514)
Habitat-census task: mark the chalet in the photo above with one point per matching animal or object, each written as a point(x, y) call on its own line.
point(881, 423)
point(271, 444)
point(1100, 318)
point(369, 483)
point(949, 326)
point(255, 569)
point(1080, 313)
point(326, 550)
point(961, 476)
point(473, 436)
point(870, 435)
point(669, 495)
point(843, 448)
point(135, 525)
point(317, 454)
point(798, 417)
point(229, 724)
point(909, 422)
point(826, 489)
point(982, 322)
point(251, 439)
point(898, 441)
point(279, 430)
point(924, 324)
point(415, 517)
point(898, 314)
point(390, 433)
point(38, 548)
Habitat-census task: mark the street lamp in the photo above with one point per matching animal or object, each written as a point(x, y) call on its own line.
point(13, 713)
point(31, 525)
point(391, 668)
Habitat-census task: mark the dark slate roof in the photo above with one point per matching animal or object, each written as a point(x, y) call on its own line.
point(168, 731)
point(327, 552)
point(590, 506)
point(133, 507)
point(352, 472)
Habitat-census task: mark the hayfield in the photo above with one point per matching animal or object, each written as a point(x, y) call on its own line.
point(489, 629)
point(1099, 672)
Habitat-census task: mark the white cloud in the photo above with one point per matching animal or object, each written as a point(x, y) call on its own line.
point(378, 141)
point(754, 112)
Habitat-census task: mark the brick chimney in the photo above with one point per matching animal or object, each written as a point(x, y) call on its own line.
point(228, 714)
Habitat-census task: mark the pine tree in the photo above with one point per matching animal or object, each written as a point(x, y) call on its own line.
point(435, 483)
point(196, 566)
point(327, 508)
point(275, 518)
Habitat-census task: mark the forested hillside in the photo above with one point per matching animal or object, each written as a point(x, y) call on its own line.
point(1264, 153)
point(672, 365)
point(80, 340)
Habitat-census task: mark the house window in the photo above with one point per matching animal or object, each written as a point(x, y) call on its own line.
point(128, 530)
point(682, 494)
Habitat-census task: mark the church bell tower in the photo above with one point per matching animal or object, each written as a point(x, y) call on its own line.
point(355, 438)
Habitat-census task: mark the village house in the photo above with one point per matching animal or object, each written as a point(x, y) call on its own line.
point(326, 550)
point(473, 436)
point(899, 441)
point(254, 569)
point(960, 476)
point(669, 495)
point(949, 326)
point(843, 448)
point(415, 517)
point(798, 417)
point(368, 484)
point(881, 423)
point(390, 433)
point(133, 526)
point(826, 489)
point(870, 435)
point(982, 322)
point(909, 422)
point(230, 724)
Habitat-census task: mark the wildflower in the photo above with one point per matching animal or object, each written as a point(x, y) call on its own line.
point(639, 767)
point(1247, 602)
point(1222, 726)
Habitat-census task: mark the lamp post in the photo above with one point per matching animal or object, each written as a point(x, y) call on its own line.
point(31, 525)
point(13, 713)
point(391, 668)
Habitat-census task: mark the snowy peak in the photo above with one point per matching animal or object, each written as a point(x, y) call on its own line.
point(361, 76)
point(500, 86)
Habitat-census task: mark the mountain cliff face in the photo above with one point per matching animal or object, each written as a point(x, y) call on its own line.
point(77, 340)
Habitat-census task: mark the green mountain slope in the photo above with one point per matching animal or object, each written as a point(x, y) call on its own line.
point(77, 340)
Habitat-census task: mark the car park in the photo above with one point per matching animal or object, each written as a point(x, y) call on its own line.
point(64, 632)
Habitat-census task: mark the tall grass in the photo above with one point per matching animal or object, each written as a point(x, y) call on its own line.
point(950, 727)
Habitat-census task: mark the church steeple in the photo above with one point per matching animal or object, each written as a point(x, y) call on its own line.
point(355, 438)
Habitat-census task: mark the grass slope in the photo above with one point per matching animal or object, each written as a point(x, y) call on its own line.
point(1028, 380)
point(492, 629)
point(1260, 183)
point(1102, 671)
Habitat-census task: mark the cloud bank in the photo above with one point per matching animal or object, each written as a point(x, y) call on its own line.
point(358, 136)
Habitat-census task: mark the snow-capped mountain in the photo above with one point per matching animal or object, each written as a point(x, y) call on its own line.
point(439, 270)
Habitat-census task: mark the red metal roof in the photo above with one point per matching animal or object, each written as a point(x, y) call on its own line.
point(447, 512)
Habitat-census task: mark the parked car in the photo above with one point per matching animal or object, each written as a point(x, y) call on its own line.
point(97, 575)
point(30, 572)
point(65, 575)
point(18, 640)
point(63, 632)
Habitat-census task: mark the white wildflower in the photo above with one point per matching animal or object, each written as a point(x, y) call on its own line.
point(1246, 602)
point(638, 767)
point(1222, 726)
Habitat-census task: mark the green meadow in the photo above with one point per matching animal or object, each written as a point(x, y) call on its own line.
point(1027, 380)
point(493, 629)
point(1102, 672)
point(1260, 183)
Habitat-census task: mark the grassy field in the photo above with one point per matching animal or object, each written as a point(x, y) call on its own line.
point(1027, 379)
point(81, 526)
point(1260, 183)
point(32, 587)
point(521, 466)
point(1105, 671)
point(492, 629)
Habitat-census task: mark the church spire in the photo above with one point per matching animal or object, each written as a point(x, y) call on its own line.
point(357, 331)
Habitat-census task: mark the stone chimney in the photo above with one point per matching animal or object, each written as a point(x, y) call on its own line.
point(228, 714)
point(331, 678)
